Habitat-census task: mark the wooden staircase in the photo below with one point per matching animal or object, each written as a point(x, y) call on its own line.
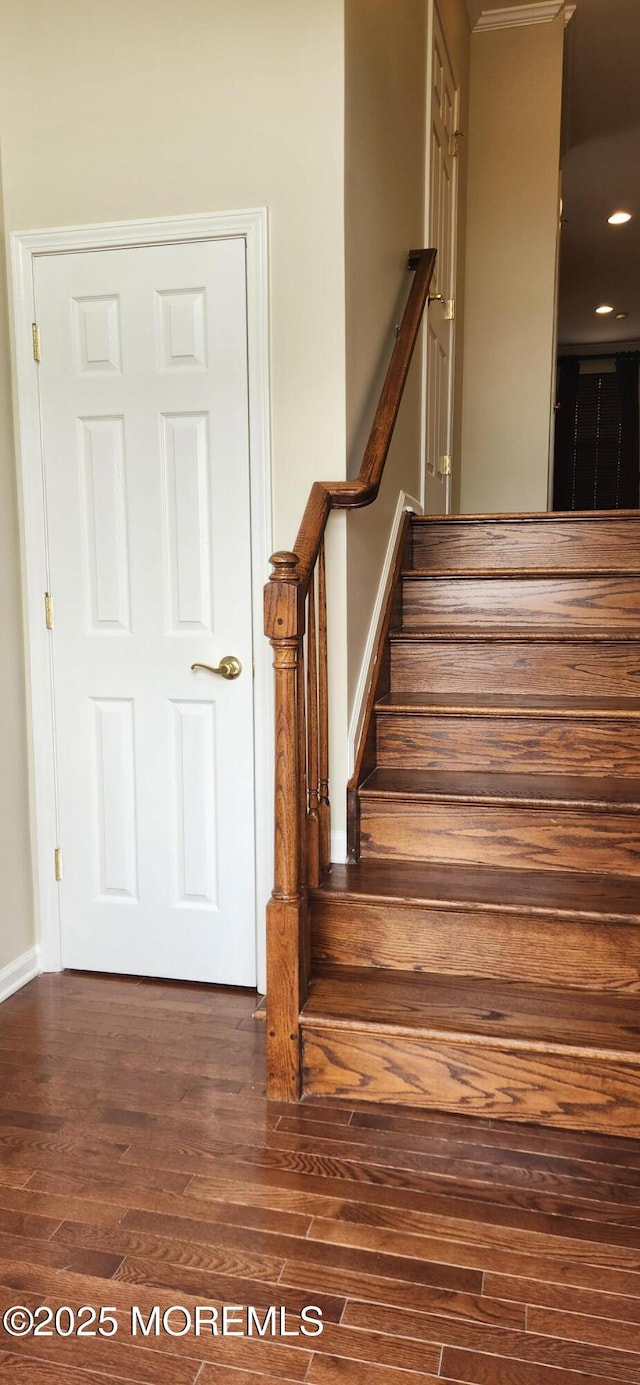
point(482, 952)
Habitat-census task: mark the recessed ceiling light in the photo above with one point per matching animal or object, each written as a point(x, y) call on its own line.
point(604, 309)
point(619, 316)
point(619, 218)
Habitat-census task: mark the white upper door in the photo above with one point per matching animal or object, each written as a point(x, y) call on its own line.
point(144, 416)
point(443, 232)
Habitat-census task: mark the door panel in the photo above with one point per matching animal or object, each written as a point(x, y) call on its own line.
point(144, 410)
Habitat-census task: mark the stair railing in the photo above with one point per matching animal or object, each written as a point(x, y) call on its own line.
point(296, 625)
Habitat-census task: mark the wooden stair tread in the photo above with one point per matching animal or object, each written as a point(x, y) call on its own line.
point(549, 634)
point(569, 790)
point(509, 1013)
point(512, 704)
point(614, 899)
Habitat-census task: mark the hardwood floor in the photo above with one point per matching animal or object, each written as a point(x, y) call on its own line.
point(141, 1165)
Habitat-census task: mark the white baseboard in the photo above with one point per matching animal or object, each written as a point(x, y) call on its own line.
point(18, 973)
point(338, 848)
point(405, 502)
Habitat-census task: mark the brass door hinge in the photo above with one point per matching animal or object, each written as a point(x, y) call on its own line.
point(57, 863)
point(444, 466)
point(458, 136)
point(448, 305)
point(48, 610)
point(35, 337)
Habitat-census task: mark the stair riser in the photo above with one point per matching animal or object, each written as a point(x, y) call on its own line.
point(612, 670)
point(547, 543)
point(522, 744)
point(571, 1093)
point(488, 834)
point(499, 946)
point(573, 602)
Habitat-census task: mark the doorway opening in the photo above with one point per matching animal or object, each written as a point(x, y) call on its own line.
point(596, 457)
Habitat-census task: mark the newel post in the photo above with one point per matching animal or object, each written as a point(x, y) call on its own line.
point(287, 916)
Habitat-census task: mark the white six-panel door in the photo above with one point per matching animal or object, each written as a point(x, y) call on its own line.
point(144, 417)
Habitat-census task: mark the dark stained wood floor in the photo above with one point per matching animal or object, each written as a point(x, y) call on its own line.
point(140, 1164)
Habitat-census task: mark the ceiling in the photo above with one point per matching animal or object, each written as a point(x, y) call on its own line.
point(601, 174)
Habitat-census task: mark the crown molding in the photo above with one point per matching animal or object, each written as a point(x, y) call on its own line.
point(512, 16)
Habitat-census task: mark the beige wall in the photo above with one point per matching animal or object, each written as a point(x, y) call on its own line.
point(385, 52)
point(512, 215)
point(16, 914)
point(114, 110)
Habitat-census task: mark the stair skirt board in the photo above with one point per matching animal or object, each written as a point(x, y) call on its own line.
point(406, 505)
point(480, 952)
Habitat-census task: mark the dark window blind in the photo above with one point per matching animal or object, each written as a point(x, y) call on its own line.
point(592, 464)
point(597, 444)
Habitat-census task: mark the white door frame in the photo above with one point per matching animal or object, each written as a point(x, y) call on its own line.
point(26, 246)
point(434, 17)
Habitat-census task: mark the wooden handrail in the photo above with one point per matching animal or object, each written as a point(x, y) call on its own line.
point(354, 495)
point(295, 592)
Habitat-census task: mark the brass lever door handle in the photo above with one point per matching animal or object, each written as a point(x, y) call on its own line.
point(229, 667)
